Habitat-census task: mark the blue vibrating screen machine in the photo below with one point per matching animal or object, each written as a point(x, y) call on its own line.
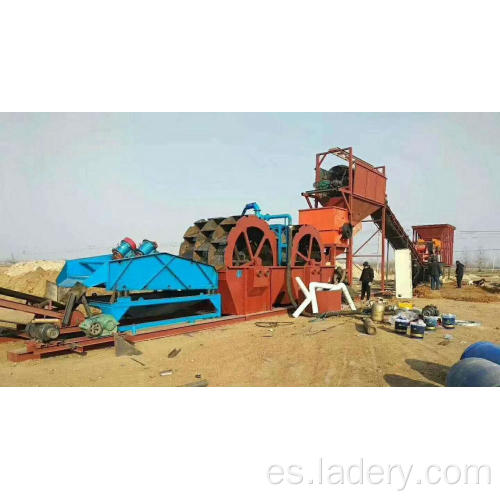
point(138, 288)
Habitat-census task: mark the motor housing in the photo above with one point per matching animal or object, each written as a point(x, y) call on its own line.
point(43, 332)
point(125, 249)
point(147, 247)
point(101, 325)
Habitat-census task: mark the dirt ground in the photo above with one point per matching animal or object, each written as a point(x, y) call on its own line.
point(331, 352)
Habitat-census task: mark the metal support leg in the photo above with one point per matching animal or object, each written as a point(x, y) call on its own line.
point(387, 260)
point(68, 311)
point(382, 267)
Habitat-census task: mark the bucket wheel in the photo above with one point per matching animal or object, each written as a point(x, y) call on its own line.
point(236, 241)
point(251, 243)
point(307, 248)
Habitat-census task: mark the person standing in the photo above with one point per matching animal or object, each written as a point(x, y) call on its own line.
point(339, 275)
point(366, 278)
point(435, 273)
point(459, 273)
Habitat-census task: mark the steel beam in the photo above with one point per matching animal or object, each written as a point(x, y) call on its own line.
point(35, 350)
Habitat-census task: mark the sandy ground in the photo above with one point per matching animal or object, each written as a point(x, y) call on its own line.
point(331, 352)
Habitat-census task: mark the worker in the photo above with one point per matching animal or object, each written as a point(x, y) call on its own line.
point(435, 273)
point(366, 278)
point(339, 275)
point(459, 273)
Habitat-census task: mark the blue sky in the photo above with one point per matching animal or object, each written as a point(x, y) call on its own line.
point(74, 184)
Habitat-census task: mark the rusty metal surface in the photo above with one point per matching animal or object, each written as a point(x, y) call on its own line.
point(33, 299)
point(443, 232)
point(369, 184)
point(307, 247)
point(232, 241)
point(35, 350)
point(51, 313)
point(364, 195)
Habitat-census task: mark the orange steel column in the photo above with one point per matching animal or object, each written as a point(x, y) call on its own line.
point(349, 259)
point(382, 267)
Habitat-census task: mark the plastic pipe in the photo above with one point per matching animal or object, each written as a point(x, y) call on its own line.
point(306, 301)
point(268, 217)
point(310, 295)
point(252, 206)
point(257, 210)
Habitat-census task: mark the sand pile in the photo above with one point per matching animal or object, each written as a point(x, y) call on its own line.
point(29, 277)
point(21, 268)
point(468, 293)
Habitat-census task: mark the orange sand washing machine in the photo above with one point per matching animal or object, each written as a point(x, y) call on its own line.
point(329, 221)
point(333, 226)
point(345, 196)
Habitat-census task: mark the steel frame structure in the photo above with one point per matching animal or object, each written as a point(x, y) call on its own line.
point(383, 255)
point(80, 345)
point(42, 308)
point(443, 232)
point(349, 197)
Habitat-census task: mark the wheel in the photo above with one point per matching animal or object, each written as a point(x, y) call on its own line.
point(230, 242)
point(95, 330)
point(307, 248)
point(251, 242)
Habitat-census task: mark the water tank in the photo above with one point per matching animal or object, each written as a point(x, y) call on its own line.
point(474, 372)
point(484, 350)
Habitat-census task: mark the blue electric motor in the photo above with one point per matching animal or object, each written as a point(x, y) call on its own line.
point(147, 247)
point(484, 350)
point(125, 249)
point(474, 372)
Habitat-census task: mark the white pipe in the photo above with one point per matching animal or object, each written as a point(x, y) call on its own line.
point(306, 301)
point(310, 295)
point(348, 297)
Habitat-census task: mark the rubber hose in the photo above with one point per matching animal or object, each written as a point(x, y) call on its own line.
point(289, 284)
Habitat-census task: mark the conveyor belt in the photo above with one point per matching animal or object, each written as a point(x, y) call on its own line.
point(399, 239)
point(31, 299)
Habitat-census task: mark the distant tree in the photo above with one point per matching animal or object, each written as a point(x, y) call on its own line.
point(481, 261)
point(464, 259)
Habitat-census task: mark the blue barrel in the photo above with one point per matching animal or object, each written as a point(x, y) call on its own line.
point(484, 350)
point(474, 372)
point(431, 322)
point(448, 320)
point(401, 325)
point(417, 329)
